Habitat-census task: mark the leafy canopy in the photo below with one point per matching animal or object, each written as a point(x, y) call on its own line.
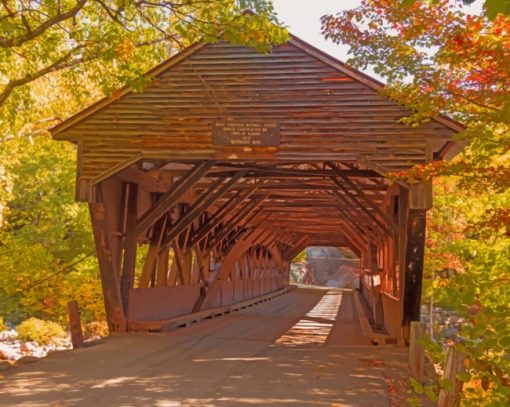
point(112, 42)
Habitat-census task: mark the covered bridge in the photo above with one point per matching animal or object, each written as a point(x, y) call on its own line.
point(205, 186)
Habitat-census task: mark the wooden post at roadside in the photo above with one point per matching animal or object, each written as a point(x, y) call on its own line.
point(416, 351)
point(75, 323)
point(454, 365)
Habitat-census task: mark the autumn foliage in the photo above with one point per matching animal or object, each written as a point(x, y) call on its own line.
point(442, 58)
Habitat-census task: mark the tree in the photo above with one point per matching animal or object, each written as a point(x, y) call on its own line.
point(45, 240)
point(57, 57)
point(438, 59)
point(113, 41)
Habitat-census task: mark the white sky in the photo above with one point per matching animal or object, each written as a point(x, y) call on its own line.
point(302, 18)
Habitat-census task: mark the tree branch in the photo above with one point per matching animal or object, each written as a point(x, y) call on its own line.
point(57, 65)
point(31, 34)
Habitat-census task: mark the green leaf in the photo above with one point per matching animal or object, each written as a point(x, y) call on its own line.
point(416, 385)
point(494, 7)
point(446, 384)
point(431, 393)
point(463, 377)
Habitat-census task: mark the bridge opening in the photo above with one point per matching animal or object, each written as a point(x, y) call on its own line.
point(205, 186)
point(326, 266)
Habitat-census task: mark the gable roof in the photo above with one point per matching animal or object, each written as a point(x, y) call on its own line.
point(169, 63)
point(324, 110)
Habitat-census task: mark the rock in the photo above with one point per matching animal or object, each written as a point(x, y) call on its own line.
point(450, 332)
point(25, 360)
point(29, 347)
point(93, 338)
point(10, 351)
point(454, 319)
point(8, 335)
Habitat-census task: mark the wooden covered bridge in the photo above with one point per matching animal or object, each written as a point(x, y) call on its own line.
point(204, 187)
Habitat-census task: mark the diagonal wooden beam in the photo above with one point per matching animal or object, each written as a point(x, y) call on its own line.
point(162, 268)
point(358, 204)
point(178, 261)
point(364, 197)
point(295, 248)
point(236, 252)
point(203, 203)
point(345, 215)
point(162, 205)
point(246, 211)
point(248, 232)
point(228, 208)
point(152, 254)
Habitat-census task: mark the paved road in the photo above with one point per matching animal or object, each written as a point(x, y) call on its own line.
point(300, 349)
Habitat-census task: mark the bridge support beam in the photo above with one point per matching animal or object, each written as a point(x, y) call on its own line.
point(413, 274)
point(109, 279)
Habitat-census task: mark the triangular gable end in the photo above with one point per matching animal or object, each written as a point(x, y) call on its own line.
point(325, 110)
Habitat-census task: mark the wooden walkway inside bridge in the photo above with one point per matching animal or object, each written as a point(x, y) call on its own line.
point(303, 348)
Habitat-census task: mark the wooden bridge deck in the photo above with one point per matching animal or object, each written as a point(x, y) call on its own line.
point(302, 348)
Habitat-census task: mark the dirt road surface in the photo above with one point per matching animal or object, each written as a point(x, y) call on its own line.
point(304, 348)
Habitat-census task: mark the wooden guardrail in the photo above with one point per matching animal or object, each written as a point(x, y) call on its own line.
point(454, 365)
point(366, 328)
point(417, 351)
point(75, 325)
point(186, 320)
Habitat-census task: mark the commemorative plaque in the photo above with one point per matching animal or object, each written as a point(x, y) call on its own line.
point(238, 133)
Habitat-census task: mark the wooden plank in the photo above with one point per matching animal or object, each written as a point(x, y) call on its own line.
point(116, 168)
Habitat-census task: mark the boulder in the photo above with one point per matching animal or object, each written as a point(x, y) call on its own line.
point(8, 335)
point(9, 351)
point(25, 360)
point(29, 347)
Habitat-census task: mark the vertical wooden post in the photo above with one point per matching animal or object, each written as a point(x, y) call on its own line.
point(417, 351)
point(413, 268)
point(129, 261)
point(109, 279)
point(454, 365)
point(75, 325)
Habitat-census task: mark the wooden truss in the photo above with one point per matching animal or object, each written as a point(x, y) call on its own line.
point(205, 226)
